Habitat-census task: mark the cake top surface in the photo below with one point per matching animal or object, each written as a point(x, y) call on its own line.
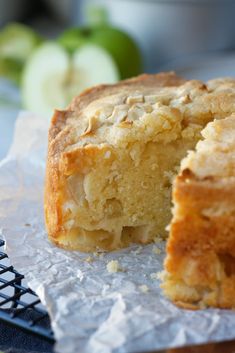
point(161, 107)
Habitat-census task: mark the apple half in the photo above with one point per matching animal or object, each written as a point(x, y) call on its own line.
point(52, 77)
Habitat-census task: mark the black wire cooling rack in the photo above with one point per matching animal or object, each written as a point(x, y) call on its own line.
point(19, 305)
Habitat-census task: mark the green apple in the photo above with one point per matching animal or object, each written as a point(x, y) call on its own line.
point(52, 77)
point(16, 44)
point(120, 45)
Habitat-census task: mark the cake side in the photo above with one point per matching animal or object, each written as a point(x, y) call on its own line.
point(200, 262)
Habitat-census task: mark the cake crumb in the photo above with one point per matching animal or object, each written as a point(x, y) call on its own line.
point(113, 266)
point(156, 250)
point(158, 275)
point(144, 288)
point(89, 259)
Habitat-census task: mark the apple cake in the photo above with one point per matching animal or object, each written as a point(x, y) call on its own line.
point(112, 157)
point(113, 153)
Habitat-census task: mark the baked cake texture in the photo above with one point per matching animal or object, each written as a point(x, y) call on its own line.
point(200, 263)
point(112, 157)
point(113, 153)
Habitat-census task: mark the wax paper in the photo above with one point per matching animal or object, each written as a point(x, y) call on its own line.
point(91, 309)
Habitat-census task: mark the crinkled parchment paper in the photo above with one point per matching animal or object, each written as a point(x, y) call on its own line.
point(91, 309)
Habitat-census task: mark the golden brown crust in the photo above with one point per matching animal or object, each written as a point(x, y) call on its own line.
point(169, 79)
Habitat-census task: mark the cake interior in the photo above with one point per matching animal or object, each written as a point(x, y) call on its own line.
point(136, 196)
